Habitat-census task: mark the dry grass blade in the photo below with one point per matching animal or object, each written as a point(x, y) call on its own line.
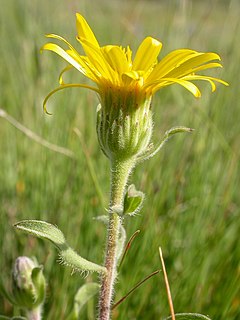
point(134, 288)
point(128, 246)
point(32, 135)
point(167, 285)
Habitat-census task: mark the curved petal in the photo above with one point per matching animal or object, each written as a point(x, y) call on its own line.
point(168, 81)
point(147, 54)
point(196, 61)
point(62, 53)
point(169, 62)
point(71, 85)
point(84, 31)
point(76, 56)
point(60, 78)
point(210, 65)
point(55, 36)
point(208, 79)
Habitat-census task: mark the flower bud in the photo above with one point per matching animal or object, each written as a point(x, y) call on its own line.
point(124, 123)
point(28, 283)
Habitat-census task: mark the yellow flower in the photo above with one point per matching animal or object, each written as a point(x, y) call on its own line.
point(125, 86)
point(111, 67)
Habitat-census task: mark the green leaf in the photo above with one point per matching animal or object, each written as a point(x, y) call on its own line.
point(39, 283)
point(189, 316)
point(168, 134)
point(84, 294)
point(67, 255)
point(133, 201)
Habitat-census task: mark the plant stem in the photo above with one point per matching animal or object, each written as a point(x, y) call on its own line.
point(34, 314)
point(120, 171)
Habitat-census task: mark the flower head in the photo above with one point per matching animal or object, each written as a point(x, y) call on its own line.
point(112, 67)
point(125, 84)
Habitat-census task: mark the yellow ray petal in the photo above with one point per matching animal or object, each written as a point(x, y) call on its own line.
point(91, 72)
point(72, 85)
point(132, 78)
point(60, 78)
point(55, 36)
point(206, 78)
point(129, 56)
point(62, 53)
point(169, 62)
point(134, 75)
point(75, 55)
point(210, 65)
point(116, 58)
point(187, 66)
point(194, 70)
point(84, 31)
point(168, 81)
point(97, 60)
point(147, 54)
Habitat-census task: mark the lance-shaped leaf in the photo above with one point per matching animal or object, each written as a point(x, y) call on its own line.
point(189, 316)
point(68, 256)
point(84, 294)
point(168, 134)
point(133, 201)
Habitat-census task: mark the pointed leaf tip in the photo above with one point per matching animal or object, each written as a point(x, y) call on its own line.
point(168, 134)
point(43, 230)
point(178, 129)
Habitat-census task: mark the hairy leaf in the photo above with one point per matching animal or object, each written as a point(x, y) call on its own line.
point(168, 134)
point(133, 200)
point(68, 256)
point(85, 293)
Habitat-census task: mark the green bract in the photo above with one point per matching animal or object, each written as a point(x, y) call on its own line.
point(28, 283)
point(124, 125)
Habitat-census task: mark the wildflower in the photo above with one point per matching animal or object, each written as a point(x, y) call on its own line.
point(125, 86)
point(28, 283)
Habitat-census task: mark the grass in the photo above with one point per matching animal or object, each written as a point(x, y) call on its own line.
point(192, 188)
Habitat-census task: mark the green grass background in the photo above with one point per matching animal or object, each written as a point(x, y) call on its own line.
point(192, 188)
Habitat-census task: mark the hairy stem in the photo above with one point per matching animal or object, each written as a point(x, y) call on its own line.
point(119, 177)
point(34, 314)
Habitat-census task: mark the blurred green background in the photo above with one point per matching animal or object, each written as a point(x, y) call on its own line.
point(192, 188)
